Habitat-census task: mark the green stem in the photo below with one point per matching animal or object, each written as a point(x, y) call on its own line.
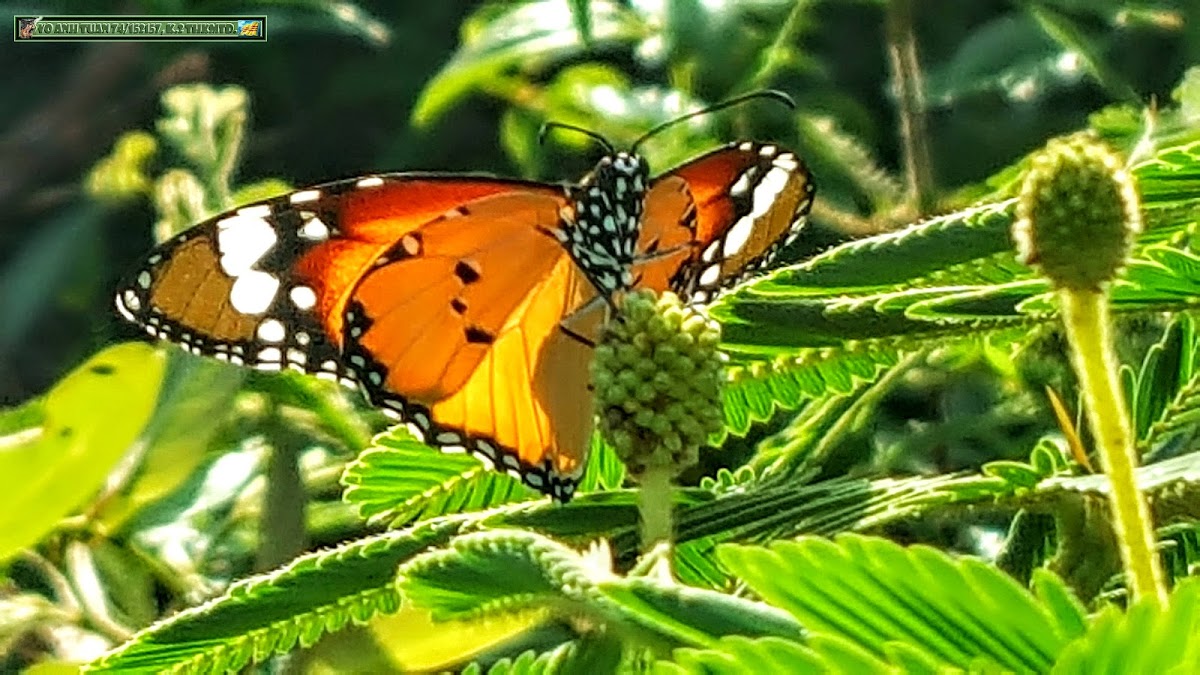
point(1086, 316)
point(777, 55)
point(655, 506)
point(909, 86)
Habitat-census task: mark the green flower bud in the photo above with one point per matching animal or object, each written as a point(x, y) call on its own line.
point(1077, 214)
point(657, 378)
point(121, 176)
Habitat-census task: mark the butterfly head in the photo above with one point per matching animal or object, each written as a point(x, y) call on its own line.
point(603, 232)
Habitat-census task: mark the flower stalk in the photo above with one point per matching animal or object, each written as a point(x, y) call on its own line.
point(1077, 216)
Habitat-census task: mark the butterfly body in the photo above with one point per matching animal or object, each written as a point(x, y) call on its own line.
point(466, 306)
point(602, 231)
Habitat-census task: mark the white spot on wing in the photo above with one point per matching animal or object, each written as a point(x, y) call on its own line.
point(740, 186)
point(787, 162)
point(303, 297)
point(738, 235)
point(144, 279)
point(128, 303)
point(369, 182)
point(259, 211)
point(314, 230)
point(767, 191)
point(304, 196)
point(253, 292)
point(270, 355)
point(271, 330)
point(242, 241)
point(710, 275)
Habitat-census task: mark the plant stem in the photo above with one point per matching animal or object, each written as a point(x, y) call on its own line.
point(777, 55)
point(910, 99)
point(1086, 316)
point(655, 506)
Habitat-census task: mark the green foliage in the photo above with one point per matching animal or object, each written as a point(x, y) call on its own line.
point(401, 479)
point(1118, 641)
point(60, 450)
point(872, 592)
point(886, 379)
point(272, 614)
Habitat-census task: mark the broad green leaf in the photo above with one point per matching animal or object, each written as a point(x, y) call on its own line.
point(872, 591)
point(196, 395)
point(1073, 36)
point(271, 614)
point(1007, 55)
point(91, 419)
point(344, 17)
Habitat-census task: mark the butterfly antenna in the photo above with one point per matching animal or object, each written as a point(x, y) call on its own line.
point(550, 126)
point(772, 94)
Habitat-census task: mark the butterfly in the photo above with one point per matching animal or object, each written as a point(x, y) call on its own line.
point(468, 306)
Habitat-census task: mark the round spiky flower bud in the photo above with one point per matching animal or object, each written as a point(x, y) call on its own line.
point(1077, 213)
point(658, 376)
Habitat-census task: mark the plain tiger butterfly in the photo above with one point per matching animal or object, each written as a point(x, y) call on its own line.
point(468, 306)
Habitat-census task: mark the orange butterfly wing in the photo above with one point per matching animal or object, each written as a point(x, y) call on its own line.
point(719, 217)
point(471, 350)
point(440, 296)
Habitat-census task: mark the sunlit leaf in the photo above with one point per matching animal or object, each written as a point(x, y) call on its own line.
point(91, 419)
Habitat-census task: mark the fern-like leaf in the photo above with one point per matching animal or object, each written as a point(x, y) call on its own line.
point(871, 591)
point(1145, 639)
point(400, 479)
point(271, 614)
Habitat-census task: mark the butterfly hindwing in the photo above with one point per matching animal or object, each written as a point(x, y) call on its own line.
point(731, 209)
point(457, 329)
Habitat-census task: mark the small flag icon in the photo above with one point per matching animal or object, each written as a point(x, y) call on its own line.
point(247, 28)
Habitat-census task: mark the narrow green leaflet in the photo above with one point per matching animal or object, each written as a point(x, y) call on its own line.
point(736, 655)
point(1144, 639)
point(593, 653)
point(871, 591)
point(262, 616)
point(400, 479)
point(506, 571)
point(887, 260)
point(89, 420)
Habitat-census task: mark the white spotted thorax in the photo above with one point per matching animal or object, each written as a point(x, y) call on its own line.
point(601, 236)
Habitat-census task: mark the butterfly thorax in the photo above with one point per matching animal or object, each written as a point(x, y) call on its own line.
point(602, 231)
